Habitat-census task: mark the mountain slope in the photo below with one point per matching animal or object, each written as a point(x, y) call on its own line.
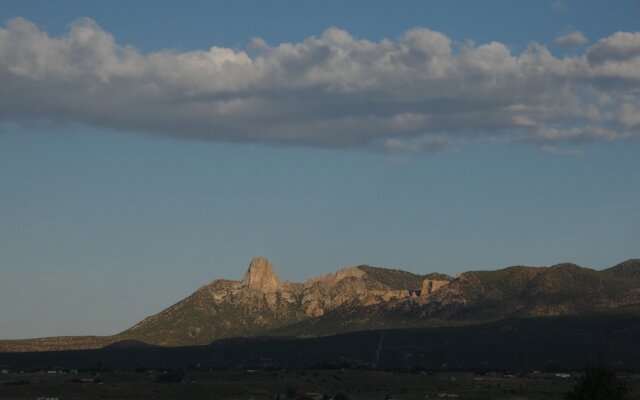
point(261, 303)
point(365, 297)
point(547, 344)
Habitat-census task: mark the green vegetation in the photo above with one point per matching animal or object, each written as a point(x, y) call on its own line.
point(512, 281)
point(436, 276)
point(628, 271)
point(394, 278)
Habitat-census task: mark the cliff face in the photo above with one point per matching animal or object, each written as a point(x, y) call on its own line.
point(260, 276)
point(261, 303)
point(430, 286)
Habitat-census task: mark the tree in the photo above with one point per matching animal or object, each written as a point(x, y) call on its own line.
point(599, 382)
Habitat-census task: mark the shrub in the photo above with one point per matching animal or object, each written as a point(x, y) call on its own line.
point(599, 382)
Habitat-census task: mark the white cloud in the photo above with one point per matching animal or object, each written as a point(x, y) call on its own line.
point(629, 116)
point(621, 46)
point(423, 144)
point(561, 152)
point(559, 5)
point(417, 93)
point(571, 39)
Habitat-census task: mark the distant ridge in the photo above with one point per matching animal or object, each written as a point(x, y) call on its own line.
point(364, 298)
point(129, 344)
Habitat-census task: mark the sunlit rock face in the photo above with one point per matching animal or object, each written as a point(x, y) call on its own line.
point(429, 286)
point(260, 276)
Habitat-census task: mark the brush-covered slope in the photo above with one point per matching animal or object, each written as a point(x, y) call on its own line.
point(477, 296)
point(365, 297)
point(529, 291)
point(260, 303)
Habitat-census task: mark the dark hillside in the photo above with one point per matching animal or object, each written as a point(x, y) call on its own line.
point(550, 344)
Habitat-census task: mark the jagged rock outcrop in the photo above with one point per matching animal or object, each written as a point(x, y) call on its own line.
point(365, 297)
point(352, 272)
point(260, 276)
point(260, 302)
point(430, 285)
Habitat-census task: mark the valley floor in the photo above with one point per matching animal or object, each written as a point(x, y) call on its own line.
point(307, 384)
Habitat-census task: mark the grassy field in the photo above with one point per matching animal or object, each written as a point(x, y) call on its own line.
point(280, 384)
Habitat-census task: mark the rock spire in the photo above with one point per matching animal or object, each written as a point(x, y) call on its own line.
point(260, 276)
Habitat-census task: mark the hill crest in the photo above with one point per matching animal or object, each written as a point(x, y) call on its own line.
point(366, 297)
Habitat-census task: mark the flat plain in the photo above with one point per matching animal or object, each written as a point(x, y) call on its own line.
point(304, 384)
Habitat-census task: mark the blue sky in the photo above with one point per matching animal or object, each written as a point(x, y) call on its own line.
point(137, 163)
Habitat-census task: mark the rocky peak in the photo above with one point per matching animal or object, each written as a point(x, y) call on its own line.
point(260, 276)
point(350, 272)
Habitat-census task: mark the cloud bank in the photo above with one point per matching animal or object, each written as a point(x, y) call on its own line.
point(417, 93)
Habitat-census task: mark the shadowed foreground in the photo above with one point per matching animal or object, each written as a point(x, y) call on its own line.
point(298, 384)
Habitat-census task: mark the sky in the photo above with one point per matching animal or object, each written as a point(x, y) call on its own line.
point(149, 147)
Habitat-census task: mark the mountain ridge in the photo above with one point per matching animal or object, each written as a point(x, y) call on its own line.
point(363, 298)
